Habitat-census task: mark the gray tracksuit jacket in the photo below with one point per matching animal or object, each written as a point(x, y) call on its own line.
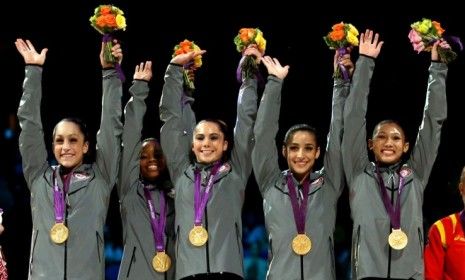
point(82, 255)
point(371, 253)
point(222, 216)
point(325, 189)
point(139, 244)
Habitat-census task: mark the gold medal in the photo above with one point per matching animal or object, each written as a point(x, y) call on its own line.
point(397, 239)
point(59, 233)
point(198, 236)
point(301, 244)
point(161, 262)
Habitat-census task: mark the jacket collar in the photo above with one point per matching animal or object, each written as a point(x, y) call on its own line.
point(316, 182)
point(398, 168)
point(81, 176)
point(223, 170)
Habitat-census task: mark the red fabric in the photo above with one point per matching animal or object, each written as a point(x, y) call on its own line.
point(445, 263)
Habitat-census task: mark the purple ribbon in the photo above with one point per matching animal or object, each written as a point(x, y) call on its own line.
point(300, 211)
point(239, 70)
point(188, 66)
point(201, 198)
point(260, 79)
point(107, 39)
point(345, 73)
point(393, 212)
point(456, 40)
point(158, 225)
point(58, 199)
point(462, 220)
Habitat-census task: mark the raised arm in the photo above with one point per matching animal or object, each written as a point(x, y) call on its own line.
point(354, 145)
point(31, 139)
point(265, 153)
point(241, 154)
point(434, 114)
point(333, 155)
point(132, 131)
point(174, 136)
point(111, 127)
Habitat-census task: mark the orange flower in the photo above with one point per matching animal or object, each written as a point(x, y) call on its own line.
point(337, 35)
point(338, 26)
point(246, 34)
point(105, 10)
point(106, 20)
point(438, 27)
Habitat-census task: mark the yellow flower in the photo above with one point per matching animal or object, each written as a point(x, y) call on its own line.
point(352, 39)
point(261, 42)
point(198, 61)
point(422, 26)
point(121, 22)
point(198, 58)
point(352, 29)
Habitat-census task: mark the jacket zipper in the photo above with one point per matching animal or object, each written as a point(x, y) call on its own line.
point(131, 261)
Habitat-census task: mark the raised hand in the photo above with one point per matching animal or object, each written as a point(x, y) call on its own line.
point(29, 53)
point(369, 44)
point(274, 67)
point(434, 50)
point(252, 50)
point(344, 60)
point(143, 71)
point(116, 51)
point(186, 58)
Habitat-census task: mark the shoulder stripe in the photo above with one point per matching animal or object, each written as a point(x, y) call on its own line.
point(442, 233)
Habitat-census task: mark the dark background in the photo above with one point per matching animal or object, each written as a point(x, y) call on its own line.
point(72, 87)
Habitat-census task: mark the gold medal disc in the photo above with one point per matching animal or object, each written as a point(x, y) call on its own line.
point(301, 244)
point(161, 262)
point(397, 239)
point(198, 236)
point(59, 233)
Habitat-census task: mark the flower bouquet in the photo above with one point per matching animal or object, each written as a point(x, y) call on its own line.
point(187, 46)
point(106, 20)
point(341, 37)
point(425, 33)
point(248, 37)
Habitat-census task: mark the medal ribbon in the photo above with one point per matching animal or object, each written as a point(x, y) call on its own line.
point(59, 198)
point(393, 212)
point(300, 211)
point(158, 225)
point(201, 198)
